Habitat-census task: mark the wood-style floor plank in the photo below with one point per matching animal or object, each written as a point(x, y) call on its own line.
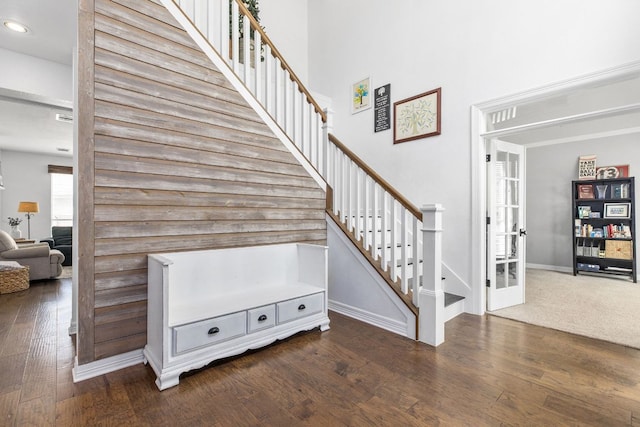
point(490, 372)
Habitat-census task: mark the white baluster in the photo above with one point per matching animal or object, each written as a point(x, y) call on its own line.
point(404, 259)
point(356, 200)
point(218, 27)
point(312, 137)
point(338, 184)
point(348, 194)
point(366, 227)
point(327, 128)
point(188, 7)
point(257, 75)
point(278, 92)
point(375, 227)
point(200, 17)
point(394, 238)
point(415, 253)
point(246, 50)
point(235, 37)
point(385, 226)
point(269, 81)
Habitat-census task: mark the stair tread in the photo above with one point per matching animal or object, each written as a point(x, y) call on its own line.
point(451, 299)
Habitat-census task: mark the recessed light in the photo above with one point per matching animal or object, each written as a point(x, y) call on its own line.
point(16, 26)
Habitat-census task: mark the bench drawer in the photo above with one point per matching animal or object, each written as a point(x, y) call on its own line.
point(300, 307)
point(261, 318)
point(210, 331)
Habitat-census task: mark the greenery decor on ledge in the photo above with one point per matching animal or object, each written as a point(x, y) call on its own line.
point(254, 9)
point(14, 221)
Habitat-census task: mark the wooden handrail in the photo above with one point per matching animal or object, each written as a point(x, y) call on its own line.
point(256, 27)
point(381, 182)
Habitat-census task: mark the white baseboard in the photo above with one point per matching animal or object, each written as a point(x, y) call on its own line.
point(390, 325)
point(104, 366)
point(551, 268)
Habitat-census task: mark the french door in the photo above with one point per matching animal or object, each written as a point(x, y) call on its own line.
point(506, 227)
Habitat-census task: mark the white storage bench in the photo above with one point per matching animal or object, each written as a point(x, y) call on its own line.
point(206, 305)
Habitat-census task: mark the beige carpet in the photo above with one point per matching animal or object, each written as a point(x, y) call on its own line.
point(598, 307)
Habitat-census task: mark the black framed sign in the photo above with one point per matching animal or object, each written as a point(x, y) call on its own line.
point(382, 108)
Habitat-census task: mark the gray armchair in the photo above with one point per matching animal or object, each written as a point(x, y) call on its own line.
point(61, 240)
point(43, 262)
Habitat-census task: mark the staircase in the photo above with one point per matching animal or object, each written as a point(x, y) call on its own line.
point(401, 242)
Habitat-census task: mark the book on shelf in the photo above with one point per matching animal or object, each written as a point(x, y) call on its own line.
point(577, 227)
point(620, 191)
point(612, 231)
point(585, 191)
point(620, 269)
point(586, 231)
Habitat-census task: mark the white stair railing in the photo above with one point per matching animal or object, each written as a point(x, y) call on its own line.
point(388, 227)
point(241, 42)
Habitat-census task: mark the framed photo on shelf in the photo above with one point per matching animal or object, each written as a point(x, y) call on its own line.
point(608, 172)
point(587, 167)
point(585, 191)
point(360, 95)
point(584, 211)
point(617, 210)
point(417, 117)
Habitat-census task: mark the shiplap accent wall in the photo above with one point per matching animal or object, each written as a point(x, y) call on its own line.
point(173, 159)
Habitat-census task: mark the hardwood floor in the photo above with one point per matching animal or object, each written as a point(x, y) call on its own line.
point(490, 371)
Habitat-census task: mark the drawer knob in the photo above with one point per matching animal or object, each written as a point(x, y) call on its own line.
point(262, 318)
point(214, 330)
point(301, 307)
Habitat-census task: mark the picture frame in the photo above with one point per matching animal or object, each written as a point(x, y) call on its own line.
point(585, 191)
point(417, 117)
point(361, 95)
point(609, 172)
point(587, 167)
point(617, 210)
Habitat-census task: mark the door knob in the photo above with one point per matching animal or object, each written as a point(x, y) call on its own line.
point(523, 232)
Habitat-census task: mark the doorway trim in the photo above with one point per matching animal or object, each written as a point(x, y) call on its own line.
point(479, 168)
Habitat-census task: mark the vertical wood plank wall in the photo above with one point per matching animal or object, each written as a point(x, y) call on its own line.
point(175, 160)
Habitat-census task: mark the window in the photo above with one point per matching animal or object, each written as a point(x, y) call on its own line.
point(61, 199)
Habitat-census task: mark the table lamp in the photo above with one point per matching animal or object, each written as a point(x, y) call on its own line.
point(29, 208)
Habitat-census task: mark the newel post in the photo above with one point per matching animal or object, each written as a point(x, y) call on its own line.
point(431, 295)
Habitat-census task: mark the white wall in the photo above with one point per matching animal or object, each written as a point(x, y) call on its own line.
point(35, 76)
point(285, 22)
point(26, 178)
point(475, 51)
point(550, 170)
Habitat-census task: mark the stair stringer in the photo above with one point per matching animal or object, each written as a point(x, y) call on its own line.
point(357, 290)
point(237, 83)
point(453, 284)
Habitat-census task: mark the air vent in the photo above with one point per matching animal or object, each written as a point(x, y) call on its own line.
point(64, 118)
point(503, 116)
point(62, 149)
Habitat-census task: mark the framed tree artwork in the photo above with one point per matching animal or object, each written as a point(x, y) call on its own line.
point(360, 97)
point(417, 117)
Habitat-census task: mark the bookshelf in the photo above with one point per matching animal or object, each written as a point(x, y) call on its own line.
point(604, 227)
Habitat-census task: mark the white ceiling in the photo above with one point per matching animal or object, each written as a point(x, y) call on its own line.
point(26, 125)
point(52, 25)
point(53, 28)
